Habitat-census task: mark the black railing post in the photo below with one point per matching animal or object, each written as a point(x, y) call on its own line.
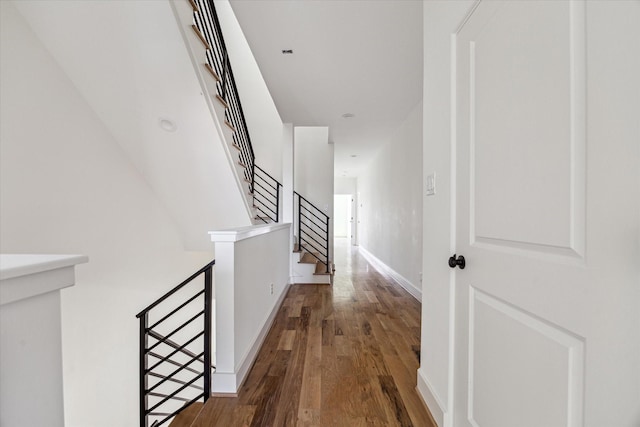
point(144, 323)
point(299, 223)
point(327, 223)
point(207, 331)
point(278, 202)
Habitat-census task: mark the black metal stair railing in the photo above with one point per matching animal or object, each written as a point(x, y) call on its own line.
point(206, 20)
point(312, 229)
point(266, 196)
point(175, 349)
point(263, 187)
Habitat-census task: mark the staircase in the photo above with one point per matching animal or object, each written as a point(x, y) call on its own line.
point(308, 269)
point(261, 191)
point(175, 330)
point(311, 260)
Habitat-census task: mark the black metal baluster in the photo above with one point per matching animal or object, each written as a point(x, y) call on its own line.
point(144, 321)
point(327, 240)
point(208, 279)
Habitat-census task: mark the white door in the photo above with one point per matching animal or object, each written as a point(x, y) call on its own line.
point(548, 211)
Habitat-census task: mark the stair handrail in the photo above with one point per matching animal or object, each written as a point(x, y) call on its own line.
point(206, 19)
point(318, 226)
point(204, 357)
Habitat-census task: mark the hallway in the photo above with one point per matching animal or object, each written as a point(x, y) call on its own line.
point(345, 355)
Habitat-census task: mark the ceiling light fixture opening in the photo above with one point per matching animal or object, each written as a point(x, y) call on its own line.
point(354, 155)
point(348, 115)
point(167, 125)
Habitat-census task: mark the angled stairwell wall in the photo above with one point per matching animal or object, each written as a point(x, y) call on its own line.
point(256, 108)
point(67, 186)
point(263, 119)
point(134, 77)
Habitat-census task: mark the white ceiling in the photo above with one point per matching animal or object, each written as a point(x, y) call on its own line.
point(362, 57)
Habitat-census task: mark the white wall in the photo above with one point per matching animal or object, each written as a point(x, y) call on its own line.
point(66, 187)
point(252, 274)
point(263, 119)
point(143, 72)
point(344, 185)
point(390, 201)
point(441, 19)
point(313, 170)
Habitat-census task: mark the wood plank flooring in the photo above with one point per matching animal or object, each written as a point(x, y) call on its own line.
point(341, 355)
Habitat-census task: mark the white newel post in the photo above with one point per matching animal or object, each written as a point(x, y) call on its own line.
point(31, 391)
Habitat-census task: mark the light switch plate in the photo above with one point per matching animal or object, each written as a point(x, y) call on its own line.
point(431, 184)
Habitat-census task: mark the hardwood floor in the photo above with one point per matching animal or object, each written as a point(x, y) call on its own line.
point(341, 355)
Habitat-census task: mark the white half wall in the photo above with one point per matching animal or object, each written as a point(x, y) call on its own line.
point(435, 376)
point(30, 337)
point(66, 186)
point(252, 279)
point(390, 201)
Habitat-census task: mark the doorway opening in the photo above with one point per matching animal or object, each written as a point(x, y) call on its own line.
point(342, 217)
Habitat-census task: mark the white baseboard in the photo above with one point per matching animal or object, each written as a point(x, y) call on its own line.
point(384, 268)
point(430, 398)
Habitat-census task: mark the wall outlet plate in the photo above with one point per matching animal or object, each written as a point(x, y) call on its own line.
point(431, 184)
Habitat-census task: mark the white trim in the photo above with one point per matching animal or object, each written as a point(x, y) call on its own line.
point(242, 233)
point(14, 265)
point(385, 269)
point(24, 276)
point(453, 224)
point(574, 344)
point(431, 399)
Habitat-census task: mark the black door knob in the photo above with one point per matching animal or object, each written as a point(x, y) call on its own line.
point(453, 262)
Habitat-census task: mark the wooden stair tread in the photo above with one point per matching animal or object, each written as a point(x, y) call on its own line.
point(222, 101)
point(307, 258)
point(226, 122)
point(204, 41)
point(187, 416)
point(321, 270)
point(212, 72)
point(194, 6)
